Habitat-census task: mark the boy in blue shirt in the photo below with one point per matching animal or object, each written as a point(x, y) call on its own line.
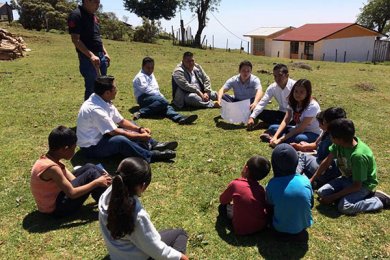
point(290, 196)
point(354, 189)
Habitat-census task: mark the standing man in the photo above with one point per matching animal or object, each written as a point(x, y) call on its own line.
point(245, 85)
point(102, 131)
point(280, 90)
point(151, 101)
point(85, 33)
point(191, 86)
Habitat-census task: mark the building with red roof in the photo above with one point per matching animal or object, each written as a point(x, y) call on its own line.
point(341, 42)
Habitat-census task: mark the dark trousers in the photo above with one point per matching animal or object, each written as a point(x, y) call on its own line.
point(155, 105)
point(89, 73)
point(232, 99)
point(84, 175)
point(119, 144)
point(175, 238)
point(271, 117)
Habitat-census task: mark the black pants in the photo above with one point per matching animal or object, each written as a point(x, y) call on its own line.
point(84, 175)
point(271, 117)
point(175, 238)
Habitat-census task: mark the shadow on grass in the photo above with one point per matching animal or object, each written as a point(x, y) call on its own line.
point(227, 126)
point(328, 210)
point(268, 245)
point(110, 163)
point(37, 222)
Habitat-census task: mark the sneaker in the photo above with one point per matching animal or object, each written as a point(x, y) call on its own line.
point(265, 137)
point(187, 120)
point(384, 198)
point(162, 155)
point(162, 146)
point(136, 116)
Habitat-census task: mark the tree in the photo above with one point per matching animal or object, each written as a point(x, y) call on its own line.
point(148, 32)
point(112, 28)
point(201, 7)
point(43, 14)
point(152, 9)
point(376, 15)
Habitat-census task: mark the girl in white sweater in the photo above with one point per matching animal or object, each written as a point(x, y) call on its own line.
point(126, 226)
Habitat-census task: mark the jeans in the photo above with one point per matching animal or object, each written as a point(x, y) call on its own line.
point(155, 105)
point(353, 203)
point(308, 137)
point(119, 144)
point(89, 72)
point(84, 175)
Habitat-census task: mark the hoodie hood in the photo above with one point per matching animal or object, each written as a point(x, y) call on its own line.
point(284, 160)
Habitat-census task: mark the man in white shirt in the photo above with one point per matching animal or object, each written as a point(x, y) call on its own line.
point(151, 101)
point(280, 90)
point(98, 133)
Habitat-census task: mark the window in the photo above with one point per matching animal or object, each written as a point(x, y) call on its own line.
point(258, 45)
point(294, 47)
point(309, 50)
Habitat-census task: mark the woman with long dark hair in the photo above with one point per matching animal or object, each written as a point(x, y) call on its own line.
point(126, 226)
point(302, 109)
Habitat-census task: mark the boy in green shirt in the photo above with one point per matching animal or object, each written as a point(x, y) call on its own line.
point(355, 189)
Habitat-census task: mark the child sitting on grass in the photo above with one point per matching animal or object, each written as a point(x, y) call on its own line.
point(126, 227)
point(55, 189)
point(290, 196)
point(354, 189)
point(308, 163)
point(248, 196)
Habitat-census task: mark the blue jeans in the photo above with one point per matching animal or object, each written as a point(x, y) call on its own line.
point(353, 203)
point(119, 144)
point(89, 72)
point(156, 105)
point(305, 136)
point(84, 175)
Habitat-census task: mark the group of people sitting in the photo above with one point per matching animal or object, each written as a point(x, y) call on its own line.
point(313, 150)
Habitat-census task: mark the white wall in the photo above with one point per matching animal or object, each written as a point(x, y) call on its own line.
point(283, 47)
point(356, 49)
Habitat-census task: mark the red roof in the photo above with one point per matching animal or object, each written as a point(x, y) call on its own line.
point(312, 32)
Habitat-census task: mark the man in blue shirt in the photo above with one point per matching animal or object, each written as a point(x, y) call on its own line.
point(150, 99)
point(84, 29)
point(245, 85)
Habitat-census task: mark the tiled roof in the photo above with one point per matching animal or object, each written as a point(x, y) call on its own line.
point(313, 32)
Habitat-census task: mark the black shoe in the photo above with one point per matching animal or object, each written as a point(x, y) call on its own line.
point(186, 120)
point(384, 198)
point(162, 155)
point(162, 146)
point(136, 116)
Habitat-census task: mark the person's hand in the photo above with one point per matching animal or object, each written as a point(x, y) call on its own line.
point(184, 257)
point(95, 62)
point(145, 130)
point(252, 106)
point(205, 97)
point(250, 123)
point(104, 180)
point(274, 142)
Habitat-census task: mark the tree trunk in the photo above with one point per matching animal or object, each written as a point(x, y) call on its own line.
point(201, 12)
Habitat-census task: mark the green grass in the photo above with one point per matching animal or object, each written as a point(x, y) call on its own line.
point(44, 89)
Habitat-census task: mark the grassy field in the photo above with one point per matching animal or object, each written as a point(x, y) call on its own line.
point(44, 89)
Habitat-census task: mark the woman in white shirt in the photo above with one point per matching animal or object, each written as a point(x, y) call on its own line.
point(302, 109)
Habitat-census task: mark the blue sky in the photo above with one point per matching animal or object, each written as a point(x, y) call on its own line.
point(243, 16)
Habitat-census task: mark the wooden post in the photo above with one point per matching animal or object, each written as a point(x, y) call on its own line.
point(248, 49)
point(213, 41)
point(173, 36)
point(203, 40)
point(323, 56)
point(241, 47)
point(368, 54)
point(336, 56)
point(278, 54)
point(345, 55)
point(182, 31)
